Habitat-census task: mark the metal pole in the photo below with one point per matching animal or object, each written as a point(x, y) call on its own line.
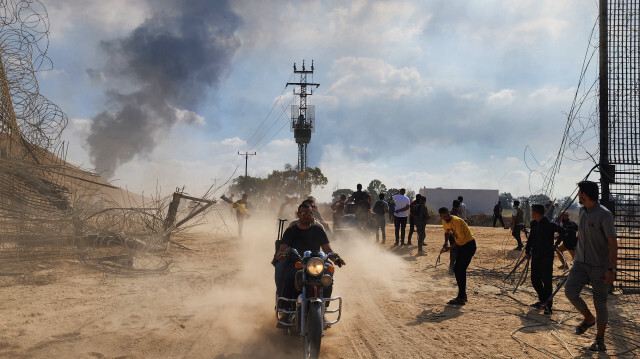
point(246, 161)
point(606, 172)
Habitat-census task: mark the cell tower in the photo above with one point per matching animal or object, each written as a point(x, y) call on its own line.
point(302, 116)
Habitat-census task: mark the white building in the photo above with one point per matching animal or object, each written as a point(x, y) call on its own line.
point(477, 200)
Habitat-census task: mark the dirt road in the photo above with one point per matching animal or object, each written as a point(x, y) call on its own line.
point(217, 301)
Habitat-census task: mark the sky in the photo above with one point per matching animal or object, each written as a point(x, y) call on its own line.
point(163, 94)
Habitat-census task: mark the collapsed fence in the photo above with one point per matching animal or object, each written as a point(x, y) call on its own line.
point(50, 208)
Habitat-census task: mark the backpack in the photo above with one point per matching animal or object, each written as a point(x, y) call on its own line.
point(378, 208)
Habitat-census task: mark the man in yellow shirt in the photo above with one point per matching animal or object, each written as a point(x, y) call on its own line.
point(466, 248)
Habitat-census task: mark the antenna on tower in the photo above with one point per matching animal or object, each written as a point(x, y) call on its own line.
point(302, 116)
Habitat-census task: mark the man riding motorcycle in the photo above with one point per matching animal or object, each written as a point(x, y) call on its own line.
point(303, 237)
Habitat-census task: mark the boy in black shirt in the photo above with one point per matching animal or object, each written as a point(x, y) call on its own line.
point(569, 241)
point(540, 248)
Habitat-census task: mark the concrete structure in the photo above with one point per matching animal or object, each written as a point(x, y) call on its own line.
point(477, 200)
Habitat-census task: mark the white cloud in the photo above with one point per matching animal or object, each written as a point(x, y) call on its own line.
point(284, 142)
point(358, 25)
point(114, 16)
point(502, 98)
point(523, 23)
point(547, 95)
point(233, 142)
point(377, 23)
point(360, 79)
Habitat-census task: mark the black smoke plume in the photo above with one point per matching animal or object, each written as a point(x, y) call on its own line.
point(172, 59)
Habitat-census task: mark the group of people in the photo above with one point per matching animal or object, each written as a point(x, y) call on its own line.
point(459, 240)
point(593, 246)
point(591, 242)
point(399, 209)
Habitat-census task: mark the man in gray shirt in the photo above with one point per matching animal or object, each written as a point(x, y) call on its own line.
point(595, 262)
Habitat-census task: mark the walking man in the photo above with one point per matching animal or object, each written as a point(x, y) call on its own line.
point(569, 240)
point(422, 216)
point(412, 217)
point(463, 209)
point(400, 214)
point(380, 211)
point(517, 219)
point(595, 262)
point(540, 249)
point(466, 245)
point(497, 214)
point(359, 198)
point(527, 212)
point(240, 215)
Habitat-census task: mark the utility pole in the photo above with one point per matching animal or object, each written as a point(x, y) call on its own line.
point(246, 160)
point(302, 117)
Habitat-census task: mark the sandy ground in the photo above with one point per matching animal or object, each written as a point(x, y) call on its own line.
point(217, 301)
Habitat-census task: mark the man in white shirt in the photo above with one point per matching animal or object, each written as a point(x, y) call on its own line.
point(463, 209)
point(400, 214)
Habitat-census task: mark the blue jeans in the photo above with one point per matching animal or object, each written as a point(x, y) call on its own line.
point(285, 275)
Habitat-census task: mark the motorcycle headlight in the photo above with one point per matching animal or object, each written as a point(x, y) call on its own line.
point(315, 266)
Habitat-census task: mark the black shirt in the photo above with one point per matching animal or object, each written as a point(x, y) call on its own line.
point(569, 239)
point(359, 196)
point(422, 214)
point(302, 240)
point(540, 242)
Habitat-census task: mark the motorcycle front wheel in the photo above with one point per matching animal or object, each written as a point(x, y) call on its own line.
point(312, 340)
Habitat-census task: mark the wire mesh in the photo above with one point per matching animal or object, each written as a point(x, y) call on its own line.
point(624, 134)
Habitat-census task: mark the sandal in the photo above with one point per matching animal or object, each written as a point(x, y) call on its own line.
point(326, 323)
point(598, 347)
point(582, 327)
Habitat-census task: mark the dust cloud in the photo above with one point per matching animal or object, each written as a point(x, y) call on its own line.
point(240, 308)
point(368, 263)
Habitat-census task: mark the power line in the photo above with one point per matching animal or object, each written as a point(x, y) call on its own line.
point(573, 136)
point(284, 110)
point(270, 111)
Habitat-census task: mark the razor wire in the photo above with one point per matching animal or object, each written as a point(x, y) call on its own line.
point(580, 138)
point(50, 209)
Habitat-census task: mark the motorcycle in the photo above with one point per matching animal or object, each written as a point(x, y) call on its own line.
point(305, 315)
